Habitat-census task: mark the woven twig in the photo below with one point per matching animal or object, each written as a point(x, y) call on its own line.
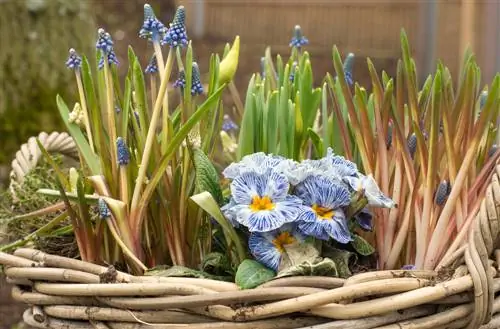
point(460, 295)
point(29, 154)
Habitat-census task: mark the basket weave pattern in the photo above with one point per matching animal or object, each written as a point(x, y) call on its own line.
point(68, 293)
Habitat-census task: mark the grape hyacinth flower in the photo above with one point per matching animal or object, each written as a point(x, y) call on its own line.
point(181, 81)
point(348, 65)
point(105, 45)
point(123, 154)
point(412, 144)
point(152, 67)
point(298, 40)
point(442, 192)
point(196, 86)
point(409, 267)
point(104, 211)
point(268, 247)
point(493, 150)
point(261, 201)
point(323, 217)
point(228, 124)
point(292, 71)
point(74, 61)
point(152, 29)
point(176, 34)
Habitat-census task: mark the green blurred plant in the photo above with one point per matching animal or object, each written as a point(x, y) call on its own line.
point(33, 46)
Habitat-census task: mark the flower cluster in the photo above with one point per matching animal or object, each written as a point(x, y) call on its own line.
point(196, 86)
point(281, 201)
point(152, 29)
point(105, 45)
point(176, 34)
point(298, 39)
point(152, 67)
point(74, 61)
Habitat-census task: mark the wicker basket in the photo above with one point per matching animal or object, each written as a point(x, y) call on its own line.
point(68, 293)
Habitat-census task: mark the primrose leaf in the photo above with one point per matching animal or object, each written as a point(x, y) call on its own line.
point(251, 274)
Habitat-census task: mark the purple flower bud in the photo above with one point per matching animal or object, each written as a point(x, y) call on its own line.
point(298, 40)
point(74, 62)
point(152, 66)
point(228, 124)
point(152, 29)
point(122, 152)
point(176, 34)
point(104, 211)
point(412, 144)
point(442, 193)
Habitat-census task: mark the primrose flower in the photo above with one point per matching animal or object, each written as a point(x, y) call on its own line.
point(228, 124)
point(364, 219)
point(122, 153)
point(259, 163)
point(176, 35)
point(323, 218)
point(348, 64)
point(74, 61)
point(152, 29)
point(104, 211)
point(298, 40)
point(262, 202)
point(268, 247)
point(152, 66)
point(369, 187)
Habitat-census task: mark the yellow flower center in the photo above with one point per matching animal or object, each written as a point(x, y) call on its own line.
point(323, 213)
point(282, 240)
point(263, 203)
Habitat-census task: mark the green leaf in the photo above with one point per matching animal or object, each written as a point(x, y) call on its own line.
point(251, 274)
point(207, 202)
point(90, 158)
point(362, 246)
point(184, 272)
point(317, 142)
point(272, 123)
point(207, 178)
point(317, 267)
point(342, 258)
point(217, 263)
point(126, 108)
point(247, 129)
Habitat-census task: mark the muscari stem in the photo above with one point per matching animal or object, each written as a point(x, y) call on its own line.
point(150, 138)
point(83, 103)
point(111, 119)
point(124, 190)
point(165, 113)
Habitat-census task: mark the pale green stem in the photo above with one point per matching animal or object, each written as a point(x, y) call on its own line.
point(111, 118)
point(183, 200)
point(83, 103)
point(125, 249)
point(124, 191)
point(151, 136)
point(165, 114)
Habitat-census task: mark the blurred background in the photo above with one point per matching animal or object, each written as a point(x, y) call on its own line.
point(35, 36)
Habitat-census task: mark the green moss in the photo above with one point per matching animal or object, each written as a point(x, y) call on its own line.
point(32, 70)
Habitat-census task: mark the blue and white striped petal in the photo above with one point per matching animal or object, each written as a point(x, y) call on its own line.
point(371, 190)
point(324, 192)
point(259, 163)
point(324, 229)
point(268, 248)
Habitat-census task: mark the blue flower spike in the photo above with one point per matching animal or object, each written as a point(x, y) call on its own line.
point(292, 71)
point(261, 201)
point(152, 67)
point(228, 124)
point(348, 66)
point(152, 29)
point(123, 155)
point(105, 45)
point(74, 61)
point(323, 217)
point(298, 39)
point(196, 86)
point(104, 211)
point(442, 192)
point(181, 81)
point(268, 247)
point(176, 34)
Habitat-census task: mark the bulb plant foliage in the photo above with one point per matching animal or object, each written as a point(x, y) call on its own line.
point(431, 150)
point(143, 157)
